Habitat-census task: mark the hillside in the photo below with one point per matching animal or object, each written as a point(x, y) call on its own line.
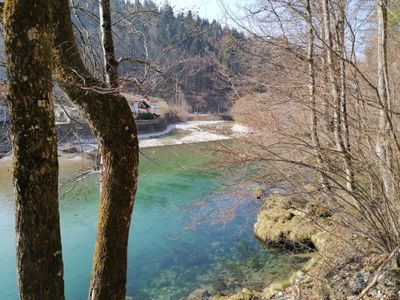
point(187, 60)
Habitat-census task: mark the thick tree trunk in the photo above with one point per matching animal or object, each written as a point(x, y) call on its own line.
point(28, 42)
point(111, 119)
point(110, 63)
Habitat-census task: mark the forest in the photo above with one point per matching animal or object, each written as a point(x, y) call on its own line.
point(196, 58)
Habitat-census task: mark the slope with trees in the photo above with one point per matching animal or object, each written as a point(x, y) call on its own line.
point(158, 50)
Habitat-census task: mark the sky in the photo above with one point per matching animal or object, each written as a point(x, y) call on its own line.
point(210, 9)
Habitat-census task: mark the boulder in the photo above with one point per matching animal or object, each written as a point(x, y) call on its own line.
point(280, 223)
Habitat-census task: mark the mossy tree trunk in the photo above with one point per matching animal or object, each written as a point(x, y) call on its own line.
point(111, 119)
point(28, 42)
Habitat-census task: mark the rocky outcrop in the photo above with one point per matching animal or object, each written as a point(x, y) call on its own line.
point(338, 271)
point(283, 224)
point(347, 273)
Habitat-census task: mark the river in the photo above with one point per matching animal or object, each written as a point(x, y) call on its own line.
point(176, 244)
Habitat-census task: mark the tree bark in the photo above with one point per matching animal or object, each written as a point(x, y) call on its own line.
point(111, 120)
point(344, 121)
point(382, 147)
point(338, 96)
point(28, 42)
point(110, 63)
point(311, 90)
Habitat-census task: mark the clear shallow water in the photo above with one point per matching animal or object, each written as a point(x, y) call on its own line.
point(166, 259)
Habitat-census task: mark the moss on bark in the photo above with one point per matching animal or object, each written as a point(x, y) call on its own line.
point(28, 42)
point(111, 119)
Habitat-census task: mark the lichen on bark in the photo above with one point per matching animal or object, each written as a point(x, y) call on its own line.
point(28, 43)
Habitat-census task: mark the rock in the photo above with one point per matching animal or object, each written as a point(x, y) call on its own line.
point(258, 193)
point(280, 224)
point(199, 294)
point(318, 210)
point(358, 282)
point(276, 200)
point(166, 279)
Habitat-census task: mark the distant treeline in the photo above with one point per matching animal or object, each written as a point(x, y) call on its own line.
point(196, 57)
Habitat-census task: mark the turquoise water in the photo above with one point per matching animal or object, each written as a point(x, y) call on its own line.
point(176, 243)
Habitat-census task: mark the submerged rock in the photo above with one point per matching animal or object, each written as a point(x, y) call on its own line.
point(199, 294)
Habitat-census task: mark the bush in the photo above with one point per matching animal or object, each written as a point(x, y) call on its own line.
point(146, 116)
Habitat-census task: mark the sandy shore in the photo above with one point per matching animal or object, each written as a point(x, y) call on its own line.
point(193, 132)
point(70, 164)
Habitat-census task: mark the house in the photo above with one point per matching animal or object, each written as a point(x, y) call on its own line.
point(140, 106)
point(137, 103)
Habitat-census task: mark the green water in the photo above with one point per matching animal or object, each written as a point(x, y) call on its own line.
point(176, 243)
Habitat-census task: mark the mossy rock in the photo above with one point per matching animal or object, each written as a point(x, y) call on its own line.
point(276, 200)
point(282, 225)
point(318, 210)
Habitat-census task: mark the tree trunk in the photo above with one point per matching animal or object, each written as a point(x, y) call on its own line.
point(344, 122)
point(28, 42)
point(311, 89)
point(110, 63)
point(111, 120)
point(383, 90)
point(338, 95)
point(332, 78)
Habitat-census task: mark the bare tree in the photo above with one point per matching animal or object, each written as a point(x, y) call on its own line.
point(312, 89)
point(383, 146)
point(288, 39)
point(337, 83)
point(110, 63)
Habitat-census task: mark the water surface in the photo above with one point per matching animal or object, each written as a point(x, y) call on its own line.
point(175, 244)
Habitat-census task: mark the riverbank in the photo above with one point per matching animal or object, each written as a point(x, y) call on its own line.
point(192, 132)
point(344, 264)
point(189, 132)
